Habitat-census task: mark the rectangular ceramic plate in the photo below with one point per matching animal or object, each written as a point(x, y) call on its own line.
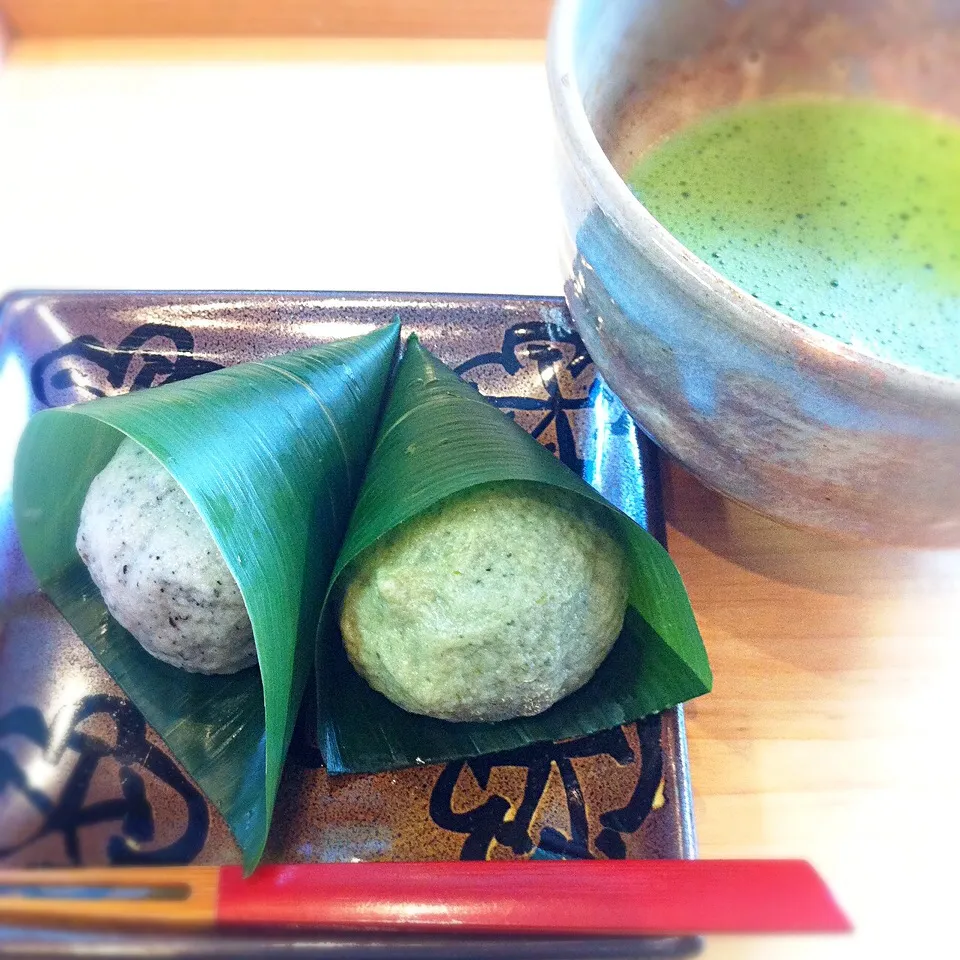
point(83, 781)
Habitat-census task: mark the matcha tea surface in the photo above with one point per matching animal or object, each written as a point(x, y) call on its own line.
point(843, 214)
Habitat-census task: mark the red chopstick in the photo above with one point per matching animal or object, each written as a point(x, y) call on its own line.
point(631, 897)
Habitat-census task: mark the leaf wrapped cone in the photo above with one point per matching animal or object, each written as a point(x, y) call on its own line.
point(271, 455)
point(196, 534)
point(456, 494)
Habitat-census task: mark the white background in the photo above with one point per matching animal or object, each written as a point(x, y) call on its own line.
point(285, 175)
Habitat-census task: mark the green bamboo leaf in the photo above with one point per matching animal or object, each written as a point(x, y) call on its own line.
point(439, 437)
point(272, 455)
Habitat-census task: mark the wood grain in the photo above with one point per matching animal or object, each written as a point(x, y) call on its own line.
point(196, 907)
point(829, 732)
point(500, 19)
point(71, 51)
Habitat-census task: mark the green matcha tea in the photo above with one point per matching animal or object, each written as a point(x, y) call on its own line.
point(845, 215)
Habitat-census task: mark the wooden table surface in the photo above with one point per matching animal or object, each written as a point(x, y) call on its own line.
point(830, 731)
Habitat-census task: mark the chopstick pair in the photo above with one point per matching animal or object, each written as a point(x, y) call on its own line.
point(622, 898)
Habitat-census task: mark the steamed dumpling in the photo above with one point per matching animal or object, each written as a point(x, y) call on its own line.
point(494, 605)
point(157, 567)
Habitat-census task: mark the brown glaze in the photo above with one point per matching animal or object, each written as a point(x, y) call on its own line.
point(768, 411)
point(78, 767)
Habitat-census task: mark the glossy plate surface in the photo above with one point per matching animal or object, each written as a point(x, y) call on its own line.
point(84, 781)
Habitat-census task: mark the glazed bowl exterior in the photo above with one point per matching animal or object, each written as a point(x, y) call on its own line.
point(768, 411)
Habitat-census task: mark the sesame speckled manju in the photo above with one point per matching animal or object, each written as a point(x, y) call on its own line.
point(158, 569)
point(494, 605)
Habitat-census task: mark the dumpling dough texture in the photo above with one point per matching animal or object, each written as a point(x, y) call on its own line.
point(494, 605)
point(157, 567)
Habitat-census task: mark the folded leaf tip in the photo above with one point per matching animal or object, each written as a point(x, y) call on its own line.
point(462, 441)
